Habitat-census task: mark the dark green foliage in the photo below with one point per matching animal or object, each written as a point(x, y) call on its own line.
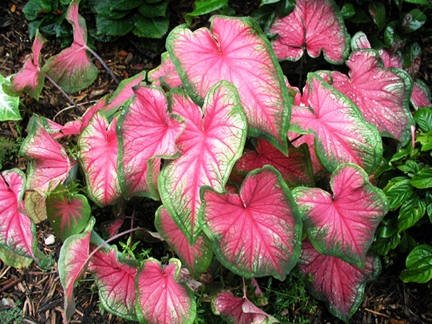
point(408, 186)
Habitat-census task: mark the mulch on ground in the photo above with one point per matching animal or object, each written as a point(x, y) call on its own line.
point(39, 294)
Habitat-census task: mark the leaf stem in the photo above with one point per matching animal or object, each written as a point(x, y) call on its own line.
point(103, 64)
point(61, 90)
point(100, 246)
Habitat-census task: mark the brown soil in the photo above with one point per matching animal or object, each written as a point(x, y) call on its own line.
point(387, 299)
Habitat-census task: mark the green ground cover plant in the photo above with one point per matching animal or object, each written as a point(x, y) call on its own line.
point(255, 178)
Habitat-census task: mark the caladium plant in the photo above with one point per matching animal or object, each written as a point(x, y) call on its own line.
point(240, 160)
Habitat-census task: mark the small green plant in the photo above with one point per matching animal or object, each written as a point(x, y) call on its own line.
point(291, 301)
point(14, 314)
point(9, 149)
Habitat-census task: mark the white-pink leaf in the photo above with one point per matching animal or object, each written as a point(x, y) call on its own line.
point(17, 231)
point(72, 69)
point(340, 284)
point(210, 145)
point(161, 299)
point(49, 163)
point(146, 133)
point(165, 74)
point(238, 310)
point(313, 26)
point(257, 232)
point(30, 79)
point(341, 133)
point(116, 282)
point(72, 263)
point(343, 223)
point(381, 94)
point(197, 258)
point(98, 152)
point(235, 49)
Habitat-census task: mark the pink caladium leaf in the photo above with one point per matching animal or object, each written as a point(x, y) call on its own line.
point(381, 94)
point(72, 69)
point(123, 93)
point(341, 133)
point(210, 145)
point(296, 168)
point(360, 41)
point(73, 261)
point(421, 95)
point(30, 78)
point(165, 74)
point(257, 232)
point(160, 298)
point(146, 133)
point(235, 49)
point(17, 231)
point(196, 258)
point(309, 140)
point(239, 310)
point(98, 153)
point(49, 164)
point(339, 284)
point(313, 26)
point(343, 223)
point(67, 213)
point(116, 282)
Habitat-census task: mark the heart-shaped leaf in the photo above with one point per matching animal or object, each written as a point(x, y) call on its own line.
point(98, 152)
point(235, 49)
point(339, 284)
point(116, 282)
point(72, 263)
point(160, 298)
point(123, 93)
point(14, 260)
point(381, 94)
point(29, 79)
point(68, 213)
point(146, 133)
point(196, 258)
point(239, 310)
point(165, 74)
point(72, 69)
point(343, 223)
point(421, 95)
point(17, 231)
point(313, 26)
point(257, 232)
point(49, 164)
point(210, 145)
point(341, 133)
point(296, 168)
point(419, 266)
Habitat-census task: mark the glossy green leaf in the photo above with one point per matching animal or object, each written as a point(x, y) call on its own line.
point(203, 7)
point(422, 179)
point(410, 212)
point(419, 265)
point(14, 260)
point(397, 191)
point(420, 2)
point(347, 11)
point(35, 7)
point(154, 27)
point(423, 118)
point(114, 27)
point(378, 14)
point(154, 10)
